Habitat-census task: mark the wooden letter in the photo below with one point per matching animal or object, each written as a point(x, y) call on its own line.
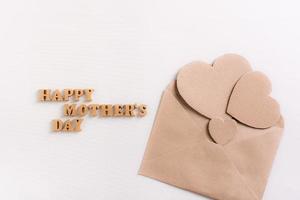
point(76, 124)
point(106, 110)
point(67, 126)
point(57, 125)
point(142, 110)
point(88, 94)
point(82, 110)
point(56, 96)
point(44, 95)
point(93, 109)
point(129, 110)
point(70, 110)
point(118, 110)
point(67, 94)
point(77, 93)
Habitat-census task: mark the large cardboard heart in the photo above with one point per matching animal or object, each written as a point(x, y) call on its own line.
point(207, 88)
point(250, 102)
point(221, 130)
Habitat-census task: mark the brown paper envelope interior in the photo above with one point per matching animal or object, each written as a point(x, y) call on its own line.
point(180, 153)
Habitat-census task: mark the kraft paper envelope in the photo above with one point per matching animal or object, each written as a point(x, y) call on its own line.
point(216, 131)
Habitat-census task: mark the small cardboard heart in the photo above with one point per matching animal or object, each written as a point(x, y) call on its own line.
point(207, 88)
point(250, 102)
point(222, 130)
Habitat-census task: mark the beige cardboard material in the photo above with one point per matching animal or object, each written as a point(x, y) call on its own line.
point(181, 152)
point(222, 130)
point(250, 102)
point(207, 88)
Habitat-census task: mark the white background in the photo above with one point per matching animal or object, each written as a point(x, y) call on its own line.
point(128, 51)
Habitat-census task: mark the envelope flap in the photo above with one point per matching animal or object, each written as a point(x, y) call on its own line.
point(173, 128)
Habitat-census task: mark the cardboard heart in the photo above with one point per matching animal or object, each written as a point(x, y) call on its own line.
point(250, 102)
point(207, 88)
point(222, 130)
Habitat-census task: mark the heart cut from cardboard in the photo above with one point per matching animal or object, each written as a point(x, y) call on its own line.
point(250, 102)
point(207, 88)
point(221, 130)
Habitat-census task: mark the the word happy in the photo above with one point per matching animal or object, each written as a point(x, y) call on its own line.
point(83, 109)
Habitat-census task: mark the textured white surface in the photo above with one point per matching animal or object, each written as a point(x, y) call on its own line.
point(128, 51)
